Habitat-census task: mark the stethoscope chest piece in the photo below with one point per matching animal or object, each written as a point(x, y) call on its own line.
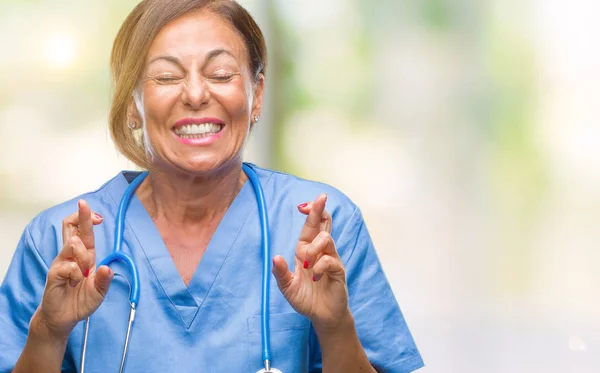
point(268, 368)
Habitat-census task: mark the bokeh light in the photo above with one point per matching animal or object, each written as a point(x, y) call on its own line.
point(466, 131)
point(60, 51)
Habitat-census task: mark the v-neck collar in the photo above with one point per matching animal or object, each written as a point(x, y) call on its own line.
point(186, 300)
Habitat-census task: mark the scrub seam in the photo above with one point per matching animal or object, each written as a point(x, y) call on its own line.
point(410, 363)
point(232, 244)
point(158, 280)
point(147, 259)
point(345, 229)
point(34, 248)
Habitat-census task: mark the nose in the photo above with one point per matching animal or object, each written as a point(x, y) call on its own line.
point(195, 93)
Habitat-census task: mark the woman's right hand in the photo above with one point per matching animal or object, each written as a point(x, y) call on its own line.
point(74, 288)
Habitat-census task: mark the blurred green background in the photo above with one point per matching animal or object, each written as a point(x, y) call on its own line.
point(466, 131)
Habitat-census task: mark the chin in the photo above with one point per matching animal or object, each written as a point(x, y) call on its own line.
point(205, 167)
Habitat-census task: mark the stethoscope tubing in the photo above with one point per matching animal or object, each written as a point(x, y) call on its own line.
point(266, 249)
point(118, 255)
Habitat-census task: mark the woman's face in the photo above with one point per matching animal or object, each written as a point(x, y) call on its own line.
point(197, 95)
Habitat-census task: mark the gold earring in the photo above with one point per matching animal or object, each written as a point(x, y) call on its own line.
point(133, 125)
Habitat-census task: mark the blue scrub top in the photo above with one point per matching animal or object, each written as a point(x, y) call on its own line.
point(213, 324)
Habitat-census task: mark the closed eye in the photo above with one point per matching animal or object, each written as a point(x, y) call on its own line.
point(222, 77)
point(166, 78)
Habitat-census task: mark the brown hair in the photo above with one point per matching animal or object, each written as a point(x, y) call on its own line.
point(133, 42)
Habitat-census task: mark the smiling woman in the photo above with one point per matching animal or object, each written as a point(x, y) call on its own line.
point(185, 60)
point(193, 60)
point(189, 81)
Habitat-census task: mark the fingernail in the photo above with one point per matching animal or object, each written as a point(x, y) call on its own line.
point(302, 205)
point(305, 264)
point(79, 204)
point(314, 278)
point(98, 216)
point(273, 262)
point(86, 273)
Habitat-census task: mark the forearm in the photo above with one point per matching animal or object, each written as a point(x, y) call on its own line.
point(341, 349)
point(43, 352)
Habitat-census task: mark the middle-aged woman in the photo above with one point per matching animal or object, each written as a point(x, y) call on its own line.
point(189, 79)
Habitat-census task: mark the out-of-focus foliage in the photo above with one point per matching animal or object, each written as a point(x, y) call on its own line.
point(466, 132)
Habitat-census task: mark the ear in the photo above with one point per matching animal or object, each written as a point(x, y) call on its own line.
point(257, 102)
point(133, 115)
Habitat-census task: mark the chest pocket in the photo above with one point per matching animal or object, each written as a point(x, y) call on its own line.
point(289, 334)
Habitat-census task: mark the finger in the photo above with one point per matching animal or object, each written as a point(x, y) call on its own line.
point(84, 257)
point(70, 224)
point(102, 280)
point(305, 207)
point(96, 218)
point(86, 225)
point(323, 244)
point(329, 265)
point(312, 226)
point(326, 220)
point(282, 273)
point(65, 272)
point(74, 250)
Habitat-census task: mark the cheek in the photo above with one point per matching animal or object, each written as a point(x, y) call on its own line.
point(158, 98)
point(167, 92)
point(234, 99)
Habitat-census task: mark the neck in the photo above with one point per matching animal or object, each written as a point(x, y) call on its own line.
point(183, 199)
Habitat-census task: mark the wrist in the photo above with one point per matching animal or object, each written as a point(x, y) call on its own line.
point(343, 328)
point(41, 331)
point(44, 350)
point(341, 348)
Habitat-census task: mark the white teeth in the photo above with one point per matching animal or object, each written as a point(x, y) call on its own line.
point(198, 130)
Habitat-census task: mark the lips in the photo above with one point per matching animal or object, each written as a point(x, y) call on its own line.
point(197, 128)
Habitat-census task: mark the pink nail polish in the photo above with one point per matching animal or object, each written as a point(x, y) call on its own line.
point(86, 273)
point(98, 216)
point(314, 278)
point(302, 205)
point(305, 264)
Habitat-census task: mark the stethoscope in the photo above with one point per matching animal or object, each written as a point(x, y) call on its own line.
point(134, 295)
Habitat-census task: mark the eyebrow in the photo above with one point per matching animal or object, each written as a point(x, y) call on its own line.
point(211, 55)
point(172, 59)
point(217, 52)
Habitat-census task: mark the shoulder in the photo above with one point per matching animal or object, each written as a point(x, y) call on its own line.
point(292, 186)
point(55, 214)
point(288, 189)
point(44, 231)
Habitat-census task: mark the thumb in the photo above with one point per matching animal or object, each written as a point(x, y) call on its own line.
point(281, 272)
point(103, 278)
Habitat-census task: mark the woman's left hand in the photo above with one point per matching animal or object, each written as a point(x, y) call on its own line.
point(317, 287)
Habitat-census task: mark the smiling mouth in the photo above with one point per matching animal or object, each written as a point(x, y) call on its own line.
point(198, 131)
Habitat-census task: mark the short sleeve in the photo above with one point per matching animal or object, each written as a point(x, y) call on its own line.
point(20, 295)
point(380, 324)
